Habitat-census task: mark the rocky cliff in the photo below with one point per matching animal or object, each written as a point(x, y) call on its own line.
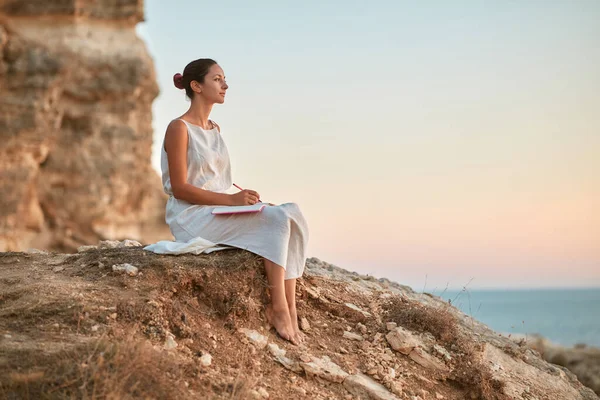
point(76, 88)
point(117, 322)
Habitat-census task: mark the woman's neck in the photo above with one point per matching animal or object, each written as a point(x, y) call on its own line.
point(198, 113)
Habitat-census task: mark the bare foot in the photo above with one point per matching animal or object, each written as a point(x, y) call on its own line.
point(280, 320)
point(294, 318)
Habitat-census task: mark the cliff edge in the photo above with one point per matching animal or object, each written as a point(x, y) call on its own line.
point(115, 321)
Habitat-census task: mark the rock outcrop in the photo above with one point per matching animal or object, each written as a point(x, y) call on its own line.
point(582, 360)
point(76, 326)
point(76, 88)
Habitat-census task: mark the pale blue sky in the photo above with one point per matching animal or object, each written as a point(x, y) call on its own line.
point(452, 140)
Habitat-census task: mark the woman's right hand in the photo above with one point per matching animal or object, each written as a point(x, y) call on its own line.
point(245, 197)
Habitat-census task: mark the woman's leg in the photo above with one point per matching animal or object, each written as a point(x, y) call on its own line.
point(278, 312)
point(290, 296)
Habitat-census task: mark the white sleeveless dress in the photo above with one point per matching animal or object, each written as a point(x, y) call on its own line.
point(277, 233)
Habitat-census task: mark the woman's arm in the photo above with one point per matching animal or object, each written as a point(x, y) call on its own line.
point(176, 146)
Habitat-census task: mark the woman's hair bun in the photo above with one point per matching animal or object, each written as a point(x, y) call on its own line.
point(178, 81)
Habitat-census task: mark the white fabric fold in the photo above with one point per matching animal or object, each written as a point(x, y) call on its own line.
point(196, 245)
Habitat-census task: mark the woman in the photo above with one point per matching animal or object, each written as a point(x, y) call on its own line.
point(196, 174)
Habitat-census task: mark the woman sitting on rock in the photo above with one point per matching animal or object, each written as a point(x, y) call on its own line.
point(196, 174)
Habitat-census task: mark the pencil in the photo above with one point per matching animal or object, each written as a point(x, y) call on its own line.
point(259, 201)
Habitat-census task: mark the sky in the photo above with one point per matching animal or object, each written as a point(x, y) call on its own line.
point(435, 144)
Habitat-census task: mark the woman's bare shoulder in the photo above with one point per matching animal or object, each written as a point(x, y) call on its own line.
point(215, 125)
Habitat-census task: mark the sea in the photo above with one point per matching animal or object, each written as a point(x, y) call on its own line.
point(564, 316)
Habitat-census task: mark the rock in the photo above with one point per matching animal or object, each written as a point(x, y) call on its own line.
point(356, 308)
point(130, 243)
point(324, 368)
point(75, 123)
point(170, 343)
point(127, 268)
point(353, 336)
point(279, 355)
point(390, 326)
point(438, 396)
point(402, 340)
point(304, 325)
point(313, 293)
point(36, 251)
point(83, 249)
point(263, 393)
point(361, 328)
point(301, 391)
point(260, 341)
point(426, 360)
point(57, 269)
point(115, 244)
point(364, 387)
point(206, 360)
point(442, 352)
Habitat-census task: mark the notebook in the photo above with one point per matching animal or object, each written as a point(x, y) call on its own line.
point(239, 209)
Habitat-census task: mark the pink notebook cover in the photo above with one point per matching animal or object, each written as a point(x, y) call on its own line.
point(239, 209)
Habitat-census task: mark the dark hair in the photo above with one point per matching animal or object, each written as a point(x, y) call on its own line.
point(194, 71)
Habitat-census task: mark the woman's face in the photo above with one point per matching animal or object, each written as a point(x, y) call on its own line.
point(214, 87)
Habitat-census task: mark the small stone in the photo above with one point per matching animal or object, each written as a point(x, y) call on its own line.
point(442, 352)
point(356, 308)
point(364, 387)
point(425, 360)
point(108, 244)
point(343, 350)
point(353, 336)
point(7, 336)
point(113, 315)
point(260, 341)
point(95, 328)
point(324, 368)
point(130, 243)
point(402, 340)
point(390, 326)
point(170, 343)
point(263, 393)
point(82, 249)
point(36, 251)
point(301, 391)
point(312, 293)
point(438, 396)
point(57, 269)
point(206, 360)
point(361, 328)
point(396, 388)
point(304, 325)
point(127, 268)
point(279, 355)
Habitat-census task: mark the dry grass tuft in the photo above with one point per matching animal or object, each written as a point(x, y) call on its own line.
point(98, 371)
point(438, 321)
point(469, 371)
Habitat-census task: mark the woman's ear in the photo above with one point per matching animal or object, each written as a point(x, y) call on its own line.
point(196, 87)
